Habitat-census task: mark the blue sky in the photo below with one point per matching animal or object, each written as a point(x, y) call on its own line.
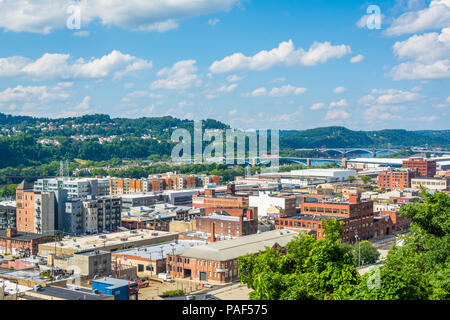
point(253, 64)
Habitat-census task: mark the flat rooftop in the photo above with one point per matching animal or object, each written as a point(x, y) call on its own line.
point(310, 217)
point(109, 239)
point(232, 249)
point(71, 293)
point(159, 251)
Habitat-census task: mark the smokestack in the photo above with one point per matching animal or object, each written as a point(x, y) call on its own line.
point(213, 232)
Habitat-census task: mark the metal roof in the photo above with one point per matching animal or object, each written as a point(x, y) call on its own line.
point(232, 249)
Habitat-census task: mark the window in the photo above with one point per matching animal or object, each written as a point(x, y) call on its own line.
point(140, 267)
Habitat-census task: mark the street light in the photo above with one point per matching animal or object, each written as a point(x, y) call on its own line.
point(359, 249)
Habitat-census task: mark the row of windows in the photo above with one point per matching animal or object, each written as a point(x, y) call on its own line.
point(326, 210)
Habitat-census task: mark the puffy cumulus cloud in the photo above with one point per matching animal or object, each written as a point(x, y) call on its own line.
point(222, 90)
point(340, 103)
point(182, 75)
point(58, 66)
point(35, 93)
point(318, 106)
point(339, 90)
point(234, 78)
point(425, 48)
point(427, 57)
point(435, 16)
point(284, 55)
point(356, 59)
point(388, 97)
point(284, 91)
point(336, 114)
point(79, 110)
point(44, 16)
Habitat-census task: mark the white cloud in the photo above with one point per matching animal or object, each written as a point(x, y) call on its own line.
point(35, 93)
point(213, 22)
point(234, 78)
point(232, 112)
point(339, 90)
point(284, 91)
point(427, 55)
point(340, 103)
point(223, 89)
point(357, 59)
point(182, 75)
point(448, 100)
point(58, 66)
point(317, 106)
point(336, 114)
point(436, 16)
point(278, 80)
point(45, 16)
point(284, 55)
point(82, 33)
point(389, 96)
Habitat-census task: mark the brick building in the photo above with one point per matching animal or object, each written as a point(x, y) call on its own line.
point(227, 225)
point(395, 179)
point(421, 166)
point(358, 218)
point(25, 207)
point(14, 242)
point(218, 261)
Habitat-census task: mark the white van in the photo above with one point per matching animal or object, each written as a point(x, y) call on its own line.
point(165, 277)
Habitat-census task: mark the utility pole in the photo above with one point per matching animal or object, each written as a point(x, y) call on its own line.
point(359, 249)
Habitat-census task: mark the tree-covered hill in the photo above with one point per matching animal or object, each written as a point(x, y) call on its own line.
point(340, 137)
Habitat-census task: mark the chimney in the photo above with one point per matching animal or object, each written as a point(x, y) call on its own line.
point(241, 225)
point(231, 189)
point(10, 233)
point(354, 198)
point(213, 232)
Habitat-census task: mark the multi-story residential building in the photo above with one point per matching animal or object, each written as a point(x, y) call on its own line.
point(73, 217)
point(102, 214)
point(395, 179)
point(439, 184)
point(7, 215)
point(76, 188)
point(422, 167)
point(25, 207)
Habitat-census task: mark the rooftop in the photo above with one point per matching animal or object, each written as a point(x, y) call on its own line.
point(67, 293)
point(108, 239)
point(157, 251)
point(232, 249)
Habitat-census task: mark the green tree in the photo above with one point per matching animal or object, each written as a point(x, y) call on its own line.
point(420, 267)
point(365, 253)
point(366, 179)
point(351, 179)
point(308, 269)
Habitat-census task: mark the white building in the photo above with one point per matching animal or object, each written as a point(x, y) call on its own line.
point(332, 175)
point(265, 200)
point(439, 184)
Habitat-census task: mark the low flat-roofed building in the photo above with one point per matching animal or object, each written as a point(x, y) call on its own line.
point(438, 184)
point(151, 260)
point(106, 242)
point(14, 242)
point(64, 293)
point(218, 261)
